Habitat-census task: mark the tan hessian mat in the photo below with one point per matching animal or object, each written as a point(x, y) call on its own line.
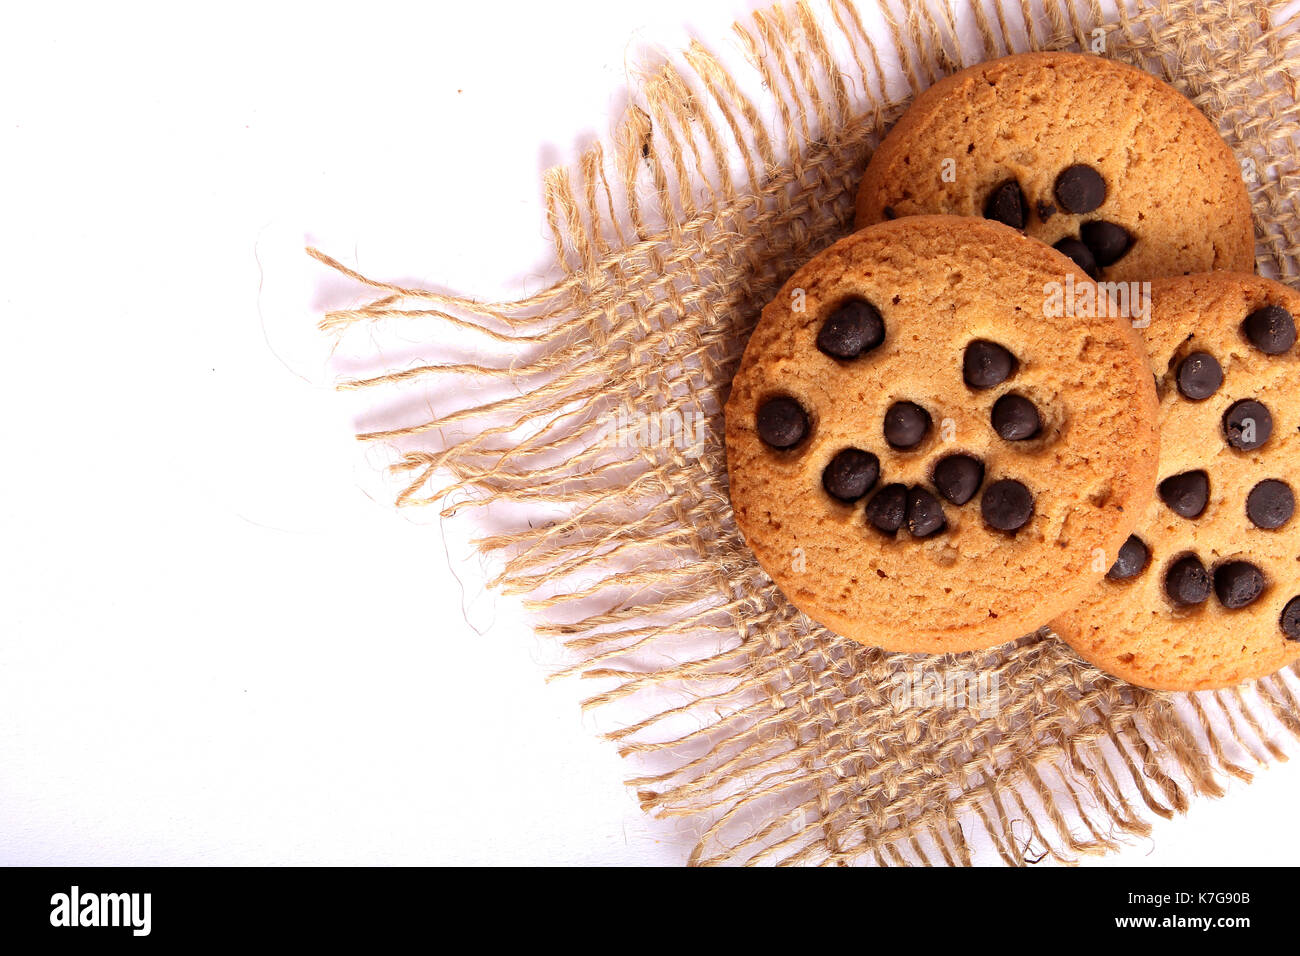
point(593, 439)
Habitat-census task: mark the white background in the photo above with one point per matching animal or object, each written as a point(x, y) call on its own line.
point(220, 644)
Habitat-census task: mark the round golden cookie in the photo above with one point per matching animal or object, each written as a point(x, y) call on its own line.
point(1119, 169)
point(1156, 620)
point(911, 344)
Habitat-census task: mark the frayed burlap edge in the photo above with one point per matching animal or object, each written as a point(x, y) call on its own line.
point(784, 741)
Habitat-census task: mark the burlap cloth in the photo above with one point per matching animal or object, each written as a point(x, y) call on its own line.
point(785, 742)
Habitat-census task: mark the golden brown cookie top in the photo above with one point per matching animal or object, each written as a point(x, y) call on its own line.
point(918, 376)
point(1200, 598)
point(1100, 157)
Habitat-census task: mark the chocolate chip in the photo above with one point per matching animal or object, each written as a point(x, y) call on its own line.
point(782, 422)
point(1186, 494)
point(1007, 505)
point(924, 513)
point(1131, 561)
point(1015, 418)
point(1270, 329)
point(1199, 376)
point(888, 508)
point(1290, 620)
point(889, 213)
point(1046, 210)
point(986, 364)
point(1107, 241)
point(1270, 504)
point(905, 425)
point(851, 474)
point(1247, 425)
point(958, 477)
point(1007, 205)
point(853, 329)
point(1081, 254)
point(1238, 583)
point(1080, 189)
point(1187, 581)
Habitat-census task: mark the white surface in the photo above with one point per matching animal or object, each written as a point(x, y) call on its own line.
point(220, 643)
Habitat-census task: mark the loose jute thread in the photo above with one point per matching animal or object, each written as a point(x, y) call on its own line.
point(785, 742)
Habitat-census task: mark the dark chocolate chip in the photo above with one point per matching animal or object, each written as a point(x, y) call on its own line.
point(924, 513)
point(1046, 210)
point(888, 508)
point(1131, 561)
point(851, 474)
point(1007, 505)
point(1015, 418)
point(1247, 425)
point(889, 213)
point(906, 424)
point(1238, 583)
point(1270, 329)
point(958, 477)
point(1290, 620)
point(1081, 254)
point(1187, 581)
point(1270, 504)
point(1186, 494)
point(1199, 376)
point(986, 364)
point(1007, 205)
point(1107, 241)
point(782, 422)
point(1080, 189)
point(853, 329)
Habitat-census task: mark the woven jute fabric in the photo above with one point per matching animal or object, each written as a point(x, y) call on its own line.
point(785, 743)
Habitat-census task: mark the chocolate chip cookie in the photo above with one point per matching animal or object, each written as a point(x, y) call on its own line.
point(924, 457)
point(1114, 168)
point(1206, 592)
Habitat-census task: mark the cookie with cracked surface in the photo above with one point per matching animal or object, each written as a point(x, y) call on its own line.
point(1207, 591)
point(1103, 161)
point(886, 485)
